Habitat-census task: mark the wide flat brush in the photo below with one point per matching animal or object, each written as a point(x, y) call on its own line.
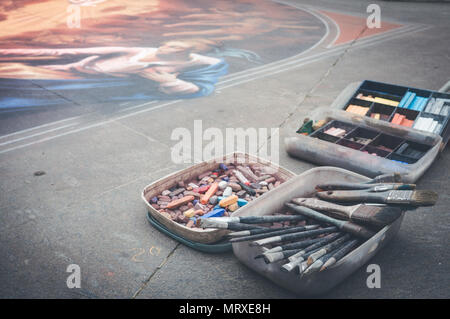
point(408, 198)
point(368, 214)
point(345, 226)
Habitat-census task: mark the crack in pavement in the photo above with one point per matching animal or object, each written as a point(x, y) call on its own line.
point(309, 94)
point(145, 284)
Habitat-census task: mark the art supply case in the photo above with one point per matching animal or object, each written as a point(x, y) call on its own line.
point(303, 185)
point(194, 237)
point(387, 147)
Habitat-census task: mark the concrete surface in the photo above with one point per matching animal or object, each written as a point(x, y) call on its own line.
point(87, 210)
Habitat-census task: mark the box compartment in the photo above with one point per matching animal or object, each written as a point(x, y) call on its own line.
point(385, 111)
point(362, 135)
point(386, 142)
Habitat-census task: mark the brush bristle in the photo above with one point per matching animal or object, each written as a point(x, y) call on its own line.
point(375, 215)
point(425, 198)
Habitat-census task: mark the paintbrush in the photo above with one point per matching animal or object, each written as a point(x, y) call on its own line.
point(280, 255)
point(291, 265)
point(302, 267)
point(368, 187)
point(328, 248)
point(323, 241)
point(282, 232)
point(337, 255)
point(332, 256)
point(295, 245)
point(346, 226)
point(259, 219)
point(411, 198)
point(206, 223)
point(293, 236)
point(368, 214)
point(258, 231)
point(270, 257)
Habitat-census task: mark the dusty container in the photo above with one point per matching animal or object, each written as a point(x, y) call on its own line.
point(318, 282)
point(205, 236)
point(316, 149)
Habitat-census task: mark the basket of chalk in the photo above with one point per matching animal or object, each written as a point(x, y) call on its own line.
point(209, 189)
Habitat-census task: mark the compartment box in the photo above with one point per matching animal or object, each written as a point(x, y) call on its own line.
point(377, 97)
point(410, 115)
point(439, 125)
point(318, 282)
point(375, 151)
point(386, 142)
point(394, 91)
point(205, 236)
point(402, 159)
point(413, 150)
point(385, 111)
point(347, 127)
point(325, 153)
point(350, 144)
point(362, 135)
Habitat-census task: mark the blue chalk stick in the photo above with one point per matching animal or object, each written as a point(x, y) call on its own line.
point(214, 213)
point(404, 99)
point(410, 99)
point(422, 105)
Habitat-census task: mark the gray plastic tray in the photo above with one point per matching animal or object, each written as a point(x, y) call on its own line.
point(319, 282)
point(323, 152)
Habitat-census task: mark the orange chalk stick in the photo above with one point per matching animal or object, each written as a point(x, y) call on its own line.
point(408, 123)
point(211, 191)
point(227, 201)
point(180, 202)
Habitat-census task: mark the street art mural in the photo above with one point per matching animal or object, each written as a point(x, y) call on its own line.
point(111, 50)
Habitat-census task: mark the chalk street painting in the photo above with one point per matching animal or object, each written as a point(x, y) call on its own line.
point(135, 50)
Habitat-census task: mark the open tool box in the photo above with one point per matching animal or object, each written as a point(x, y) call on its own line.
point(374, 128)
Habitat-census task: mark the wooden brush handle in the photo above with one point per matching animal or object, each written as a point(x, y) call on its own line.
point(357, 230)
point(354, 196)
point(314, 203)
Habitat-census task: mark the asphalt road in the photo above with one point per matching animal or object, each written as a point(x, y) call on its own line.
point(98, 156)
